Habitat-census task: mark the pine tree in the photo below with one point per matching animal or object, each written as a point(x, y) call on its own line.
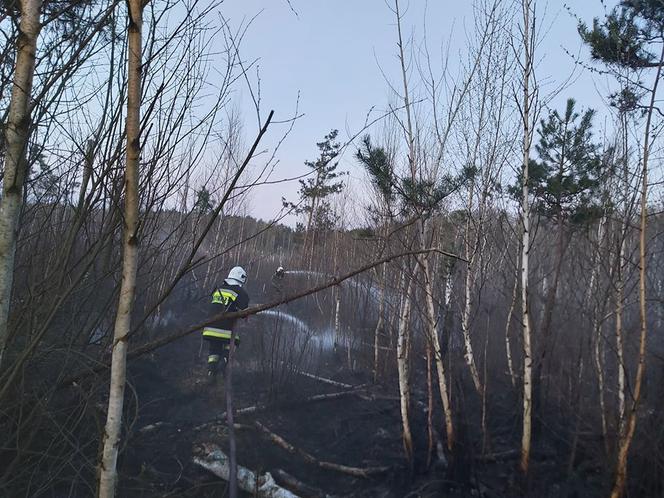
point(322, 183)
point(565, 181)
point(625, 38)
point(625, 42)
point(315, 190)
point(565, 185)
point(203, 202)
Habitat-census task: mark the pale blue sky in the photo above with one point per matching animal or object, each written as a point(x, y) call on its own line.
point(331, 51)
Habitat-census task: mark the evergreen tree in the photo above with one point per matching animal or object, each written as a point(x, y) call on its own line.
point(565, 185)
point(203, 202)
point(376, 161)
point(625, 38)
point(565, 181)
point(629, 41)
point(324, 182)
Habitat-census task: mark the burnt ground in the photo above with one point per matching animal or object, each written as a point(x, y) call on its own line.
point(174, 396)
point(172, 399)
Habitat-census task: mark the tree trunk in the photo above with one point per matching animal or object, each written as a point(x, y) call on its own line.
point(529, 44)
point(232, 450)
point(16, 137)
point(438, 356)
point(307, 235)
point(259, 485)
point(471, 250)
point(377, 330)
point(626, 439)
point(402, 367)
point(465, 326)
point(620, 298)
point(337, 307)
point(547, 318)
point(598, 355)
point(430, 438)
point(108, 475)
point(619, 302)
point(508, 346)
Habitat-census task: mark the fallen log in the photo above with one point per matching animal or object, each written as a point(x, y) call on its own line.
point(323, 397)
point(324, 380)
point(304, 490)
point(353, 471)
point(214, 460)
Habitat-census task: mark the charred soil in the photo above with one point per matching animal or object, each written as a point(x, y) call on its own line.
point(178, 410)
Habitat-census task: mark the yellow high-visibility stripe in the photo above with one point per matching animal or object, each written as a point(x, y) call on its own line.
point(224, 296)
point(220, 333)
point(213, 358)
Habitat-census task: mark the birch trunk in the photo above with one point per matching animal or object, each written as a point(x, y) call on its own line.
point(620, 297)
point(528, 45)
point(337, 306)
point(471, 251)
point(438, 357)
point(16, 137)
point(597, 329)
point(111, 438)
point(508, 346)
point(465, 326)
point(259, 485)
point(379, 326)
point(402, 367)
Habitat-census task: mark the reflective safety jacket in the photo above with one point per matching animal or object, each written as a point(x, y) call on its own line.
point(226, 298)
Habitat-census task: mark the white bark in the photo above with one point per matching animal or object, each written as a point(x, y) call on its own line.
point(337, 305)
point(598, 355)
point(324, 380)
point(17, 131)
point(467, 291)
point(508, 345)
point(111, 438)
point(528, 45)
point(465, 326)
point(263, 486)
point(402, 366)
point(438, 358)
point(379, 324)
point(620, 298)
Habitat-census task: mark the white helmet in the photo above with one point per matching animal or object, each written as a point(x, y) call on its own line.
point(237, 276)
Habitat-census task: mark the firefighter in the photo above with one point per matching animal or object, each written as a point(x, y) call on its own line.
point(228, 297)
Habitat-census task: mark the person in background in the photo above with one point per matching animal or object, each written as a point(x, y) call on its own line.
point(228, 297)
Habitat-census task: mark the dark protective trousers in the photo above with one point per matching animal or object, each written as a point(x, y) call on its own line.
point(218, 354)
